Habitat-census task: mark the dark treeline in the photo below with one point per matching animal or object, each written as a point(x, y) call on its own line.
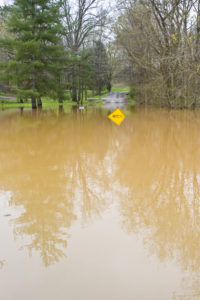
point(160, 40)
point(50, 47)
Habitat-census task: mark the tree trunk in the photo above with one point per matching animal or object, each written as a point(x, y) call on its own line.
point(99, 90)
point(79, 85)
point(39, 102)
point(74, 94)
point(79, 90)
point(74, 87)
point(60, 109)
point(82, 92)
point(21, 111)
point(34, 104)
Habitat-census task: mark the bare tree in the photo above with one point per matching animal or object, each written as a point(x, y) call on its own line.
point(80, 23)
point(161, 42)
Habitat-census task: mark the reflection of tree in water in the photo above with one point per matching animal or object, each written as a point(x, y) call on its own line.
point(36, 178)
point(53, 164)
point(190, 288)
point(163, 177)
point(86, 166)
point(50, 163)
point(2, 263)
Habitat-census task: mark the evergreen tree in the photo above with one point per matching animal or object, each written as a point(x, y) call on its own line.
point(85, 74)
point(5, 54)
point(81, 20)
point(102, 74)
point(79, 74)
point(38, 52)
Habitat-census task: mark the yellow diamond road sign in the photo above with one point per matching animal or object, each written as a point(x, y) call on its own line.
point(117, 116)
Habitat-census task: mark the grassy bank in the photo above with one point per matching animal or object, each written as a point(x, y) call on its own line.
point(49, 103)
point(46, 103)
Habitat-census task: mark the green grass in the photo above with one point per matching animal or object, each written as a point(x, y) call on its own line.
point(49, 103)
point(6, 103)
point(105, 92)
point(46, 103)
point(120, 89)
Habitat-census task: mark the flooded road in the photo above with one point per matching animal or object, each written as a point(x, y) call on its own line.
point(94, 211)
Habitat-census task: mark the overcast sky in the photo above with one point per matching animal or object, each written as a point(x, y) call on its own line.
point(105, 2)
point(2, 2)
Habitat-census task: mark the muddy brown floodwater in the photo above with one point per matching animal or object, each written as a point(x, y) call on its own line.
point(94, 211)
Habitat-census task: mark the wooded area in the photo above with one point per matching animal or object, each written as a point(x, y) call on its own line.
point(48, 47)
point(161, 41)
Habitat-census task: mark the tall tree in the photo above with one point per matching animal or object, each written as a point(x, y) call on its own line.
point(81, 20)
point(160, 39)
point(102, 72)
point(5, 54)
point(37, 46)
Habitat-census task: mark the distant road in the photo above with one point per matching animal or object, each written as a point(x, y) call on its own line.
point(116, 97)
